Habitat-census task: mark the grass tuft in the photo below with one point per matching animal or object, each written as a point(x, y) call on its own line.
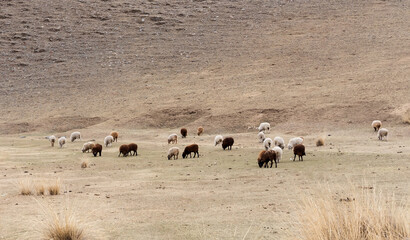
point(54, 188)
point(26, 187)
point(64, 228)
point(320, 142)
point(84, 164)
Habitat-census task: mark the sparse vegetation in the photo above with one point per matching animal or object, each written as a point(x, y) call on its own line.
point(84, 164)
point(26, 187)
point(363, 214)
point(64, 229)
point(320, 142)
point(40, 188)
point(54, 188)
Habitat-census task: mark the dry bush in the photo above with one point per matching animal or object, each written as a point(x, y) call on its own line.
point(364, 215)
point(40, 188)
point(64, 228)
point(406, 116)
point(84, 164)
point(320, 142)
point(26, 187)
point(54, 188)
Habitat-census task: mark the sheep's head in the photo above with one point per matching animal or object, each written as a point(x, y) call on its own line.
point(289, 146)
point(169, 156)
point(260, 163)
point(184, 154)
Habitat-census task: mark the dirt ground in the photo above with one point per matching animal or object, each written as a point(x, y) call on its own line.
point(147, 68)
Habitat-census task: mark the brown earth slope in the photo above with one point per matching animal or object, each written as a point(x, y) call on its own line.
point(222, 64)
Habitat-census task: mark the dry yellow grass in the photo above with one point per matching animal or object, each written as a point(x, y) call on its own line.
point(364, 214)
point(40, 188)
point(54, 188)
point(63, 228)
point(320, 142)
point(26, 187)
point(84, 164)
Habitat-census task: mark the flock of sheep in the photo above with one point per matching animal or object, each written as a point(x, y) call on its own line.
point(273, 148)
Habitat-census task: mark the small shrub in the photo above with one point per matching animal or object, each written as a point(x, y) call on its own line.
point(54, 188)
point(64, 229)
point(84, 164)
point(320, 142)
point(26, 187)
point(40, 189)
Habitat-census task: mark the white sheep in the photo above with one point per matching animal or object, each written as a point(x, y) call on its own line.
point(279, 152)
point(108, 140)
point(267, 143)
point(278, 141)
point(218, 139)
point(265, 127)
point(173, 152)
point(261, 137)
point(173, 138)
point(294, 141)
point(74, 136)
point(376, 124)
point(61, 141)
point(382, 133)
point(52, 139)
point(87, 146)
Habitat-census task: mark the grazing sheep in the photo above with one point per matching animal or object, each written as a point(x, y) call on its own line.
point(218, 139)
point(173, 138)
point(376, 124)
point(124, 150)
point(265, 127)
point(87, 146)
point(265, 157)
point(294, 141)
point(193, 148)
point(299, 150)
point(278, 141)
point(227, 143)
point(132, 147)
point(382, 133)
point(173, 152)
point(267, 143)
point(74, 136)
point(61, 141)
point(108, 140)
point(320, 142)
point(261, 137)
point(97, 149)
point(184, 132)
point(114, 136)
point(278, 150)
point(52, 139)
point(200, 131)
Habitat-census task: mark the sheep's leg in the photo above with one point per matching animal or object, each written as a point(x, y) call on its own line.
point(119, 154)
point(276, 165)
point(198, 154)
point(302, 158)
point(294, 158)
point(271, 163)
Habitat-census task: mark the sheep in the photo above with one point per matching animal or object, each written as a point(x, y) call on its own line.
point(382, 133)
point(299, 150)
point(376, 124)
point(61, 141)
point(294, 141)
point(279, 152)
point(132, 147)
point(193, 148)
point(265, 127)
point(200, 131)
point(52, 139)
point(108, 140)
point(124, 150)
point(87, 147)
point(265, 157)
point(261, 137)
point(173, 152)
point(173, 138)
point(184, 132)
point(114, 136)
point(97, 149)
point(278, 141)
point(74, 136)
point(227, 143)
point(218, 139)
point(267, 143)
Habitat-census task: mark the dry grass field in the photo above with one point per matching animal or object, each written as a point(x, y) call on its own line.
point(147, 68)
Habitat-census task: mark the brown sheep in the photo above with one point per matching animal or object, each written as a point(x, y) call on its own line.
point(200, 131)
point(227, 143)
point(189, 149)
point(265, 157)
point(96, 149)
point(114, 136)
point(132, 147)
point(124, 150)
point(184, 132)
point(299, 150)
